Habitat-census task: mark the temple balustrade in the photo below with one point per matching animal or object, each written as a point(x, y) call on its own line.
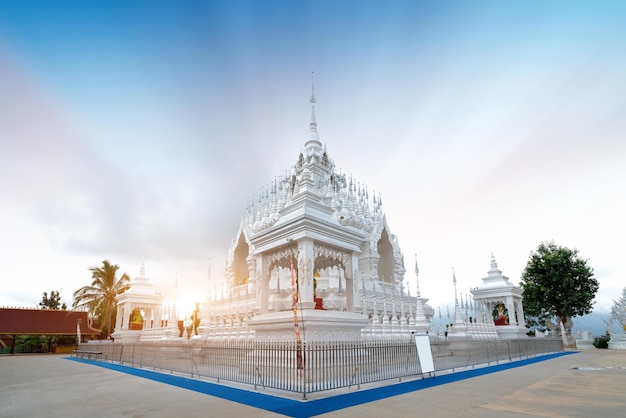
point(389, 309)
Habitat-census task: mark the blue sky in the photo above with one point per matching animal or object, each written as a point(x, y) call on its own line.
point(133, 130)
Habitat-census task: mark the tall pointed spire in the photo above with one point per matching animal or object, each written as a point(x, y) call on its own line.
point(417, 272)
point(421, 322)
point(456, 299)
point(312, 100)
point(142, 268)
point(313, 144)
point(440, 331)
point(459, 326)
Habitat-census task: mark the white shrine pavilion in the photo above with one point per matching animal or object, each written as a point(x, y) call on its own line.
point(497, 293)
point(141, 314)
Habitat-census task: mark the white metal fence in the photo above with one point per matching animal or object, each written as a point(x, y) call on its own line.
point(316, 366)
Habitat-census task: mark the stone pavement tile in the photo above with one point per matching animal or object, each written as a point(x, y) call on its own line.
point(590, 383)
point(551, 388)
point(51, 386)
point(595, 387)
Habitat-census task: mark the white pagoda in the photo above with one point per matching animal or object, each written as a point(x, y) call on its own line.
point(315, 256)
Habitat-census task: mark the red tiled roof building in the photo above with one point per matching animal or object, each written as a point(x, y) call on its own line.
point(47, 330)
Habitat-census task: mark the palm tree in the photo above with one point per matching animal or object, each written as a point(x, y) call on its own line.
point(99, 298)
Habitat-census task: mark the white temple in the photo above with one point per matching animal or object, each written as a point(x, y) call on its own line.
point(317, 231)
point(315, 258)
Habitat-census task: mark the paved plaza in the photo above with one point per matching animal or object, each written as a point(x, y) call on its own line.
point(581, 384)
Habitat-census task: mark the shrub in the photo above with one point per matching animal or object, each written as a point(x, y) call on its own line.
point(602, 342)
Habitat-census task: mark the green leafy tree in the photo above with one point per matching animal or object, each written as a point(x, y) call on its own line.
point(52, 302)
point(537, 323)
point(99, 298)
point(557, 282)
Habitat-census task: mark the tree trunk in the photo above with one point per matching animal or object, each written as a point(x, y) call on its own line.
point(563, 333)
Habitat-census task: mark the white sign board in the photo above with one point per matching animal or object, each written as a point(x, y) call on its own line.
point(424, 354)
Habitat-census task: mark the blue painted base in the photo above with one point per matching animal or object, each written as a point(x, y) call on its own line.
point(295, 408)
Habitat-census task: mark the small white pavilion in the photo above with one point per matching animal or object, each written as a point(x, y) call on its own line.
point(141, 313)
point(496, 292)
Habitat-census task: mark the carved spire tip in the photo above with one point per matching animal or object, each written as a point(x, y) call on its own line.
point(312, 100)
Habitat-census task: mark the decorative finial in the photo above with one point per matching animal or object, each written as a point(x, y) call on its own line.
point(459, 324)
point(494, 265)
point(313, 144)
point(456, 298)
point(417, 280)
point(142, 269)
point(312, 100)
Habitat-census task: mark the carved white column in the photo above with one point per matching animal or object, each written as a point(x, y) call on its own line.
point(262, 285)
point(510, 306)
point(119, 321)
point(374, 269)
point(305, 273)
point(520, 314)
point(352, 288)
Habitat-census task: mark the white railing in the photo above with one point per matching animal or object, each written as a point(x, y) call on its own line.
point(317, 366)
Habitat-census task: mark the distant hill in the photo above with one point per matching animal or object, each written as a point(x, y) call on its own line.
point(593, 322)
